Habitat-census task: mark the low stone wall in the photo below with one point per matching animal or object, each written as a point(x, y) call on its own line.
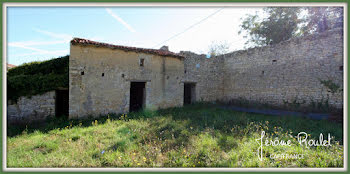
point(294, 71)
point(303, 71)
point(33, 108)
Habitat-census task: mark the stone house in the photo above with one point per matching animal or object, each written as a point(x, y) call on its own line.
point(106, 78)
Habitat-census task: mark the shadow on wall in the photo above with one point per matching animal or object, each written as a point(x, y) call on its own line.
point(313, 107)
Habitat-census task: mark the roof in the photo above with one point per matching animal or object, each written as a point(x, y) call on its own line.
point(10, 65)
point(80, 41)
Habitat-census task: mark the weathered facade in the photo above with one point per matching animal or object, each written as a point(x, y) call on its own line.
point(206, 74)
point(291, 71)
point(101, 78)
point(306, 70)
point(105, 78)
point(37, 107)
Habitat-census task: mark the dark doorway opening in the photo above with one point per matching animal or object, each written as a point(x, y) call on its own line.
point(137, 96)
point(189, 93)
point(62, 103)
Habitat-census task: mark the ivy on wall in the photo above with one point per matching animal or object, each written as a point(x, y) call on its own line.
point(37, 77)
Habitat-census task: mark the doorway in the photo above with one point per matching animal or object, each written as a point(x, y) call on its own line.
point(189, 93)
point(62, 103)
point(137, 96)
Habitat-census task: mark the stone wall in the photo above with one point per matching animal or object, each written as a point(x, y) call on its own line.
point(288, 72)
point(291, 71)
point(33, 108)
point(90, 93)
point(206, 73)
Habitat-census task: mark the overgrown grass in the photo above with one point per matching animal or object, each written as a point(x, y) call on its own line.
point(200, 135)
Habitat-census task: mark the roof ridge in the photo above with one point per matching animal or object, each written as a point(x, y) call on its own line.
point(81, 41)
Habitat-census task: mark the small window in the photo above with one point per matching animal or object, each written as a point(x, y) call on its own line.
point(274, 60)
point(340, 68)
point(185, 71)
point(103, 74)
point(123, 75)
point(142, 62)
point(262, 72)
point(82, 73)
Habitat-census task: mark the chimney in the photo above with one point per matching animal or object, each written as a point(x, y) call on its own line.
point(164, 48)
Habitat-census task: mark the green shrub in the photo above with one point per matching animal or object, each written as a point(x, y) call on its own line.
point(37, 77)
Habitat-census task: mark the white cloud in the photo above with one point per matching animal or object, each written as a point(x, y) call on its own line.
point(43, 53)
point(19, 45)
point(27, 45)
point(115, 16)
point(36, 43)
point(65, 37)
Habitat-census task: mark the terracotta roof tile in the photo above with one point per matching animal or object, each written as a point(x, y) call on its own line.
point(10, 66)
point(80, 41)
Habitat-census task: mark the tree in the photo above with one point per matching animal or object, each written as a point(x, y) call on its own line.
point(218, 48)
point(282, 23)
point(320, 19)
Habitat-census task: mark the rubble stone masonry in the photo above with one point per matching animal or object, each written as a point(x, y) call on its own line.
point(33, 108)
point(100, 78)
point(291, 71)
point(302, 70)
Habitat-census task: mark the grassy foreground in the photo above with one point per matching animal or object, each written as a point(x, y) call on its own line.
point(200, 135)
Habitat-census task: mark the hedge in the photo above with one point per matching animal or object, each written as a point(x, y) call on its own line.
point(37, 77)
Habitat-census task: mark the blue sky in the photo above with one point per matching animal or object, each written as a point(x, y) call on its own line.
point(42, 33)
